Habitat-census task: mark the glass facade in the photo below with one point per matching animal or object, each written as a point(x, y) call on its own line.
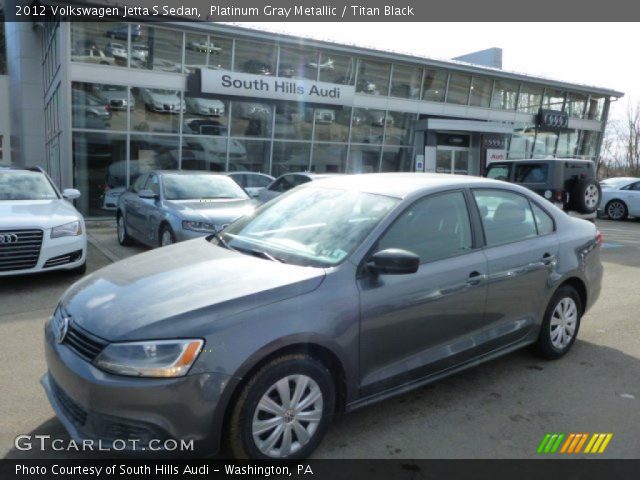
point(121, 130)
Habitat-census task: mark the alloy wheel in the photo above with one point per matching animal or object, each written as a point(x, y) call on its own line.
point(166, 238)
point(121, 229)
point(615, 210)
point(287, 416)
point(564, 320)
point(591, 196)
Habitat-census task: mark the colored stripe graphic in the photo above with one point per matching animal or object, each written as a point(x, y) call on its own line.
point(573, 443)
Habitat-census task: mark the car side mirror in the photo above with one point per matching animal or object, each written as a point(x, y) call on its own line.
point(70, 193)
point(147, 194)
point(394, 261)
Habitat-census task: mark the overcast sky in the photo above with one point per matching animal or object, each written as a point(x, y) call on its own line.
point(600, 54)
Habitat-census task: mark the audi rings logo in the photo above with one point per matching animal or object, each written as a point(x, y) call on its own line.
point(493, 143)
point(553, 119)
point(7, 238)
point(62, 329)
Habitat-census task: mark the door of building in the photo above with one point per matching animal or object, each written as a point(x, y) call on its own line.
point(452, 160)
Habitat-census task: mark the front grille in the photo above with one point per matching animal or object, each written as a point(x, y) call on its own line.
point(83, 343)
point(63, 259)
point(19, 249)
point(72, 410)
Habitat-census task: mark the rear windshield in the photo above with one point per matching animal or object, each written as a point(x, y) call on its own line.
point(531, 173)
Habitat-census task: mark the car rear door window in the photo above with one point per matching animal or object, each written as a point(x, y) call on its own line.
point(531, 173)
point(544, 222)
point(506, 216)
point(434, 228)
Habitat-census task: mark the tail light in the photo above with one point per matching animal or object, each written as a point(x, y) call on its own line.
point(599, 238)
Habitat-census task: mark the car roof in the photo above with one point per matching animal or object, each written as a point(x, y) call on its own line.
point(247, 172)
point(529, 160)
point(401, 185)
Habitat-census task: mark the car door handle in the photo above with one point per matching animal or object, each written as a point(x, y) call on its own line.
point(548, 259)
point(475, 278)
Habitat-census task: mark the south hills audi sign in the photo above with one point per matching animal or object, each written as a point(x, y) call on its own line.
point(222, 82)
point(552, 120)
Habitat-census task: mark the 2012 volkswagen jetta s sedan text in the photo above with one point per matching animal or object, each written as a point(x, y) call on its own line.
point(340, 293)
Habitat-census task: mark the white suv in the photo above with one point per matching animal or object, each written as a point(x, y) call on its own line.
point(39, 228)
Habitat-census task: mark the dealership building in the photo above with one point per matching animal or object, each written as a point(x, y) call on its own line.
point(97, 104)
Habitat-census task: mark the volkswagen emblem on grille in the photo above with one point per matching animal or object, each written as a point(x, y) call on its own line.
point(63, 328)
point(6, 238)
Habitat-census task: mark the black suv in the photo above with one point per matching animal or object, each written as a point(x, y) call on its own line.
point(569, 183)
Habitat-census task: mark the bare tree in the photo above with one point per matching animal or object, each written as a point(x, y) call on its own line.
point(628, 134)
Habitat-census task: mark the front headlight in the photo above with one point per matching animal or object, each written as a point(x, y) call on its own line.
point(199, 226)
point(159, 358)
point(67, 230)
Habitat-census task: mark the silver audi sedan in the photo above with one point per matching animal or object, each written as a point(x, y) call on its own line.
point(339, 293)
point(165, 206)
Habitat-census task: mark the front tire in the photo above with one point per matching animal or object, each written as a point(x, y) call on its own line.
point(167, 237)
point(561, 324)
point(123, 237)
point(616, 210)
point(283, 411)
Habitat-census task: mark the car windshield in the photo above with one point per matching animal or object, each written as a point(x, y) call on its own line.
point(200, 186)
point(25, 186)
point(313, 226)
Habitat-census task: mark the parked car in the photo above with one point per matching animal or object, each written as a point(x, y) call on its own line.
point(140, 52)
point(91, 55)
point(324, 65)
point(569, 183)
point(117, 97)
point(203, 46)
point(252, 110)
point(121, 32)
point(40, 230)
point(258, 67)
point(340, 293)
point(286, 182)
point(163, 101)
point(324, 116)
point(620, 197)
point(89, 111)
point(252, 182)
point(205, 106)
point(165, 207)
point(380, 118)
point(117, 50)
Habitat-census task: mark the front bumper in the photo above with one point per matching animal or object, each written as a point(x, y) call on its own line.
point(98, 406)
point(53, 252)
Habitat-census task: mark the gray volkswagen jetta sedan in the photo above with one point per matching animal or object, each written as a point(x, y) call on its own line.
point(340, 293)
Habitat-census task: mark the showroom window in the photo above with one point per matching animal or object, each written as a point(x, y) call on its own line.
point(256, 58)
point(506, 217)
point(329, 158)
point(99, 43)
point(3, 50)
point(249, 155)
point(396, 159)
point(158, 49)
point(203, 152)
point(567, 143)
point(363, 159)
point(588, 144)
point(553, 99)
point(434, 85)
point(97, 106)
point(250, 119)
point(205, 116)
point(294, 120)
point(1, 148)
point(405, 81)
point(481, 89)
point(545, 144)
point(331, 124)
point(595, 108)
point(434, 228)
point(211, 51)
point(530, 98)
point(367, 125)
point(296, 63)
point(289, 157)
point(336, 68)
point(156, 110)
point(373, 77)
point(505, 95)
point(458, 91)
point(399, 128)
point(576, 103)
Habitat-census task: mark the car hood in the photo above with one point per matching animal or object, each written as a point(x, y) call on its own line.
point(159, 97)
point(44, 214)
point(216, 210)
point(205, 102)
point(177, 291)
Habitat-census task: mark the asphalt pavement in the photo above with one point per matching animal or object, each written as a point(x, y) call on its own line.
point(501, 409)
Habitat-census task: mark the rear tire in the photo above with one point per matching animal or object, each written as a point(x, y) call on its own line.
point(264, 426)
point(560, 324)
point(585, 195)
point(616, 210)
point(123, 237)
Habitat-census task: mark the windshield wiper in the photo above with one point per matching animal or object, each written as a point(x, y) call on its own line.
point(222, 241)
point(259, 253)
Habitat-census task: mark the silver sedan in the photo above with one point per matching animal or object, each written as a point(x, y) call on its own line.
point(163, 207)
